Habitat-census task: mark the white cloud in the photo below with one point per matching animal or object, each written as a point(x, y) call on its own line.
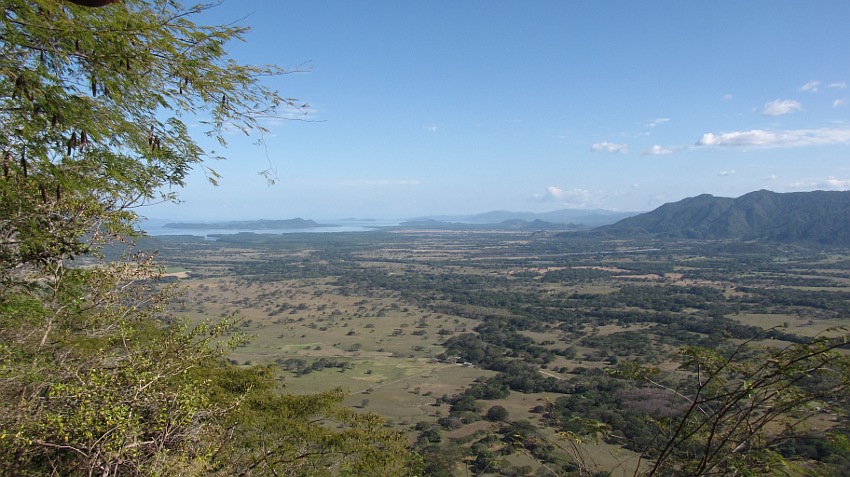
point(658, 150)
point(657, 122)
point(838, 85)
point(611, 147)
point(772, 177)
point(768, 139)
point(812, 86)
point(781, 107)
point(575, 198)
point(830, 183)
point(432, 128)
point(839, 184)
point(726, 173)
point(838, 103)
point(727, 97)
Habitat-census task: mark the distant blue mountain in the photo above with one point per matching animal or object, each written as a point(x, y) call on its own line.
point(297, 223)
point(507, 225)
point(578, 218)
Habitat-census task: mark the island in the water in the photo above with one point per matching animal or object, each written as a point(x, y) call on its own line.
point(296, 223)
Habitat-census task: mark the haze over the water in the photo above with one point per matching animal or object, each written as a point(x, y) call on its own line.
point(446, 107)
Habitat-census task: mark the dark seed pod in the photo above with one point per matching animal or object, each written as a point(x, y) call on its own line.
point(19, 85)
point(94, 3)
point(24, 165)
point(84, 139)
point(43, 193)
point(72, 143)
point(58, 192)
point(93, 87)
point(6, 159)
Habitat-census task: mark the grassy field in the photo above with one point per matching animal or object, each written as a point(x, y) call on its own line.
point(380, 307)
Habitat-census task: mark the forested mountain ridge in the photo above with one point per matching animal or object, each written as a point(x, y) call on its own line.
point(821, 217)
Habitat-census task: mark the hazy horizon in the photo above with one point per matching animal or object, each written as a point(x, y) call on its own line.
point(450, 108)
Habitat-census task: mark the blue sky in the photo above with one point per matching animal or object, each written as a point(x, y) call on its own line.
point(455, 107)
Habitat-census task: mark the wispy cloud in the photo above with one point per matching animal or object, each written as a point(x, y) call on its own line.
point(432, 128)
point(838, 103)
point(573, 198)
point(727, 97)
point(377, 182)
point(657, 122)
point(830, 183)
point(769, 139)
point(772, 177)
point(781, 107)
point(347, 182)
point(812, 86)
point(610, 147)
point(726, 173)
point(658, 150)
point(838, 85)
point(839, 184)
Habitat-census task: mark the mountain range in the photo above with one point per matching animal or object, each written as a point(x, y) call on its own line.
point(585, 218)
point(297, 223)
point(821, 217)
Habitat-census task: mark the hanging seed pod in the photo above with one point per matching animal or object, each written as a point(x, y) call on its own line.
point(93, 87)
point(72, 143)
point(77, 45)
point(6, 159)
point(84, 139)
point(58, 192)
point(94, 3)
point(19, 86)
point(24, 164)
point(43, 193)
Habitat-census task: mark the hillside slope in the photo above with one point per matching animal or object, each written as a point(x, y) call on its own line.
point(821, 217)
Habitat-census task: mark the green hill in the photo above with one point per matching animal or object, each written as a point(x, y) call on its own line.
point(821, 217)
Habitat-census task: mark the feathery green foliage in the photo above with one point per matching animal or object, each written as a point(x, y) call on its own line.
point(95, 377)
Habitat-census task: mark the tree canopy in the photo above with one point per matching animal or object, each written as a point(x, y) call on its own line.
point(96, 377)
